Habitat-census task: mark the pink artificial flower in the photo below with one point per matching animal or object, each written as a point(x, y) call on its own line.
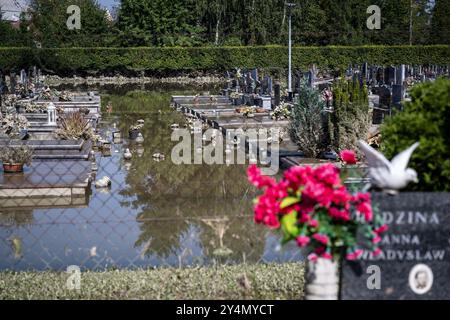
point(339, 214)
point(327, 256)
point(313, 223)
point(358, 253)
point(303, 241)
point(351, 256)
point(298, 176)
point(348, 156)
point(365, 209)
point(377, 252)
point(329, 174)
point(323, 239)
point(258, 180)
point(313, 257)
point(320, 250)
point(304, 218)
point(341, 196)
point(382, 229)
point(361, 197)
point(376, 240)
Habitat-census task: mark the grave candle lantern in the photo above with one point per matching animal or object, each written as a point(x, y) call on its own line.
point(51, 114)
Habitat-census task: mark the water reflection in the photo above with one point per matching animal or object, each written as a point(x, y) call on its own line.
point(155, 214)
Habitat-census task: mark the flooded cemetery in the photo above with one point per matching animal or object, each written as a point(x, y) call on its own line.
point(88, 177)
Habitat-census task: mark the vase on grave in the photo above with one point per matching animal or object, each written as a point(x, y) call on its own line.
point(322, 280)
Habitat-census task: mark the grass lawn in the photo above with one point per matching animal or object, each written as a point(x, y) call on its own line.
point(262, 281)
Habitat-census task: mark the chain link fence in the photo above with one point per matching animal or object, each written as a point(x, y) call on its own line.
point(153, 213)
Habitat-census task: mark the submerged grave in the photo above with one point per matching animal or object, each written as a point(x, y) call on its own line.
point(60, 172)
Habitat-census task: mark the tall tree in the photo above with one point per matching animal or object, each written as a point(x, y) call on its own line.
point(440, 23)
point(144, 23)
point(48, 23)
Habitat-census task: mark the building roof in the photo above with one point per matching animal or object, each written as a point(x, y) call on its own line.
point(11, 9)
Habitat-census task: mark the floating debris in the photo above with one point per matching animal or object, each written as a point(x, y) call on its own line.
point(140, 138)
point(159, 156)
point(127, 154)
point(223, 252)
point(16, 243)
point(104, 182)
point(93, 252)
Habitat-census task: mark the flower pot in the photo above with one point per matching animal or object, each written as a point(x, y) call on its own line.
point(322, 280)
point(133, 134)
point(12, 168)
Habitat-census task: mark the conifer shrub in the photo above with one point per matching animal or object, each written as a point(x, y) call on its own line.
point(351, 118)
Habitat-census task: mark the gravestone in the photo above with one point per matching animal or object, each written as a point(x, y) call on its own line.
point(385, 95)
point(389, 75)
point(310, 78)
point(254, 75)
point(269, 86)
point(12, 82)
point(349, 71)
point(297, 81)
point(415, 263)
point(380, 75)
point(400, 75)
point(397, 95)
point(365, 71)
point(373, 77)
point(277, 88)
point(23, 76)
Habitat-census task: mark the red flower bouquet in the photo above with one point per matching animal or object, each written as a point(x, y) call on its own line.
point(313, 207)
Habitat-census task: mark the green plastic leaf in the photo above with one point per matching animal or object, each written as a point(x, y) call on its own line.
point(289, 201)
point(289, 225)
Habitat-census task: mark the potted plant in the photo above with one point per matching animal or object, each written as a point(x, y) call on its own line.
point(74, 126)
point(314, 207)
point(15, 157)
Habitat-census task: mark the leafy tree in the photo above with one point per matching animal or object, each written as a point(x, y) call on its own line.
point(147, 23)
point(49, 18)
point(10, 36)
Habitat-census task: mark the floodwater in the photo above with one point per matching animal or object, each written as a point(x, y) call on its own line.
point(155, 214)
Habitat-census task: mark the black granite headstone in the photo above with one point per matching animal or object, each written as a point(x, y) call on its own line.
point(380, 75)
point(277, 89)
point(415, 263)
point(400, 75)
point(389, 75)
point(12, 81)
point(269, 86)
point(365, 70)
point(385, 95)
point(397, 95)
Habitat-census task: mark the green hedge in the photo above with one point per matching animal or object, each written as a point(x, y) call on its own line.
point(67, 60)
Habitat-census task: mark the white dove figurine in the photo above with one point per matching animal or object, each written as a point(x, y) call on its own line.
point(390, 176)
